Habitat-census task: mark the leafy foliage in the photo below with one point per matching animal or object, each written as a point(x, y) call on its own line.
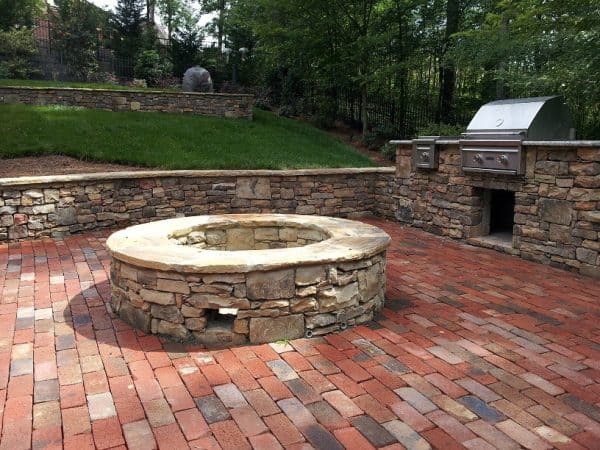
point(128, 21)
point(150, 66)
point(16, 49)
point(76, 35)
point(18, 13)
point(439, 60)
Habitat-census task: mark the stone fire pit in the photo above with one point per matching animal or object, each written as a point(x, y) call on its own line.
point(238, 278)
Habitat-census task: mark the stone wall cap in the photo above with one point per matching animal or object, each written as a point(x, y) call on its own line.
point(149, 245)
point(128, 91)
point(108, 176)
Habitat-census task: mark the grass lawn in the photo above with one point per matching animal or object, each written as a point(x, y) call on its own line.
point(171, 141)
point(75, 84)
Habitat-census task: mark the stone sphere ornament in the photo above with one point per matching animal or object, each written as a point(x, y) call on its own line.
point(197, 79)
point(238, 278)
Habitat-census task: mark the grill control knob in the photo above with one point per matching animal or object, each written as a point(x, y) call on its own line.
point(503, 159)
point(478, 158)
point(425, 156)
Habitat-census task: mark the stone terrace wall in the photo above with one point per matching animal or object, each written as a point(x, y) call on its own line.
point(557, 202)
point(60, 205)
point(205, 104)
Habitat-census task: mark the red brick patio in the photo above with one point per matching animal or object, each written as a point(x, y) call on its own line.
point(475, 349)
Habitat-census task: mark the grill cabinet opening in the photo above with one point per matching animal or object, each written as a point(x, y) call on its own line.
point(497, 218)
point(502, 212)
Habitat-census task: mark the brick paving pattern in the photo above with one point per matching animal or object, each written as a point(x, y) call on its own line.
point(475, 349)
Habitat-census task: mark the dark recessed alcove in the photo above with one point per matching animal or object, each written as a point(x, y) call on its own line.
point(502, 211)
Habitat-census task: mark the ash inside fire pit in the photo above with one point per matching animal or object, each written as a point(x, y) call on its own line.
point(238, 278)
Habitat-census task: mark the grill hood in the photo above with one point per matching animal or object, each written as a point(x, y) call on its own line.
point(536, 118)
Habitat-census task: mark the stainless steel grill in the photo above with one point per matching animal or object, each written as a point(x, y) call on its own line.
point(493, 140)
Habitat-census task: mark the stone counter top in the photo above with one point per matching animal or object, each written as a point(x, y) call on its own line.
point(101, 176)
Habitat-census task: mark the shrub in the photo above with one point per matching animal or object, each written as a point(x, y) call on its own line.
point(440, 129)
point(388, 151)
point(16, 48)
point(375, 138)
point(150, 66)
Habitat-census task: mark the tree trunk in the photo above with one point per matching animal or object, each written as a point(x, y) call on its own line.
point(363, 113)
point(150, 7)
point(447, 69)
point(221, 25)
point(169, 23)
point(500, 87)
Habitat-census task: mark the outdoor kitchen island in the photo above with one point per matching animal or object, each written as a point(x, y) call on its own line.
point(550, 213)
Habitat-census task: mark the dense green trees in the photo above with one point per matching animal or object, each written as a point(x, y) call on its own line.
point(437, 60)
point(18, 13)
point(75, 32)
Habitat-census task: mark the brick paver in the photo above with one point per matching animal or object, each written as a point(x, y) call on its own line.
point(475, 349)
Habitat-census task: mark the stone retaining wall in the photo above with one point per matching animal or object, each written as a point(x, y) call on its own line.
point(205, 104)
point(33, 207)
point(557, 202)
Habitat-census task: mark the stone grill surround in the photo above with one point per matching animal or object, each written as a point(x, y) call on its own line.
point(163, 287)
point(557, 201)
point(204, 104)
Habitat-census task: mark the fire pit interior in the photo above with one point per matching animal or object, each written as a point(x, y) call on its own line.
point(247, 278)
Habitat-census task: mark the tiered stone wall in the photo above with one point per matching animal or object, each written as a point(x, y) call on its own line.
point(205, 104)
point(557, 201)
point(32, 207)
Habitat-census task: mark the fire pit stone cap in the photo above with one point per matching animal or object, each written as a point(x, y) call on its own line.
point(152, 246)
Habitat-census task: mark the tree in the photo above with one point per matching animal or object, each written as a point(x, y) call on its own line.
point(220, 9)
point(18, 12)
point(129, 27)
point(150, 9)
point(185, 48)
point(538, 47)
point(16, 48)
point(76, 35)
point(447, 69)
point(175, 14)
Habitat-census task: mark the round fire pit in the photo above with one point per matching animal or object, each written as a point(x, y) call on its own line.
point(247, 277)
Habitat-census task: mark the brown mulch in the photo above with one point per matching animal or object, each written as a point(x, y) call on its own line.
point(55, 165)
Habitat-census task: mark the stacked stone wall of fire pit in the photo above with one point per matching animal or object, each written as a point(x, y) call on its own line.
point(270, 306)
point(234, 289)
point(556, 211)
point(205, 104)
